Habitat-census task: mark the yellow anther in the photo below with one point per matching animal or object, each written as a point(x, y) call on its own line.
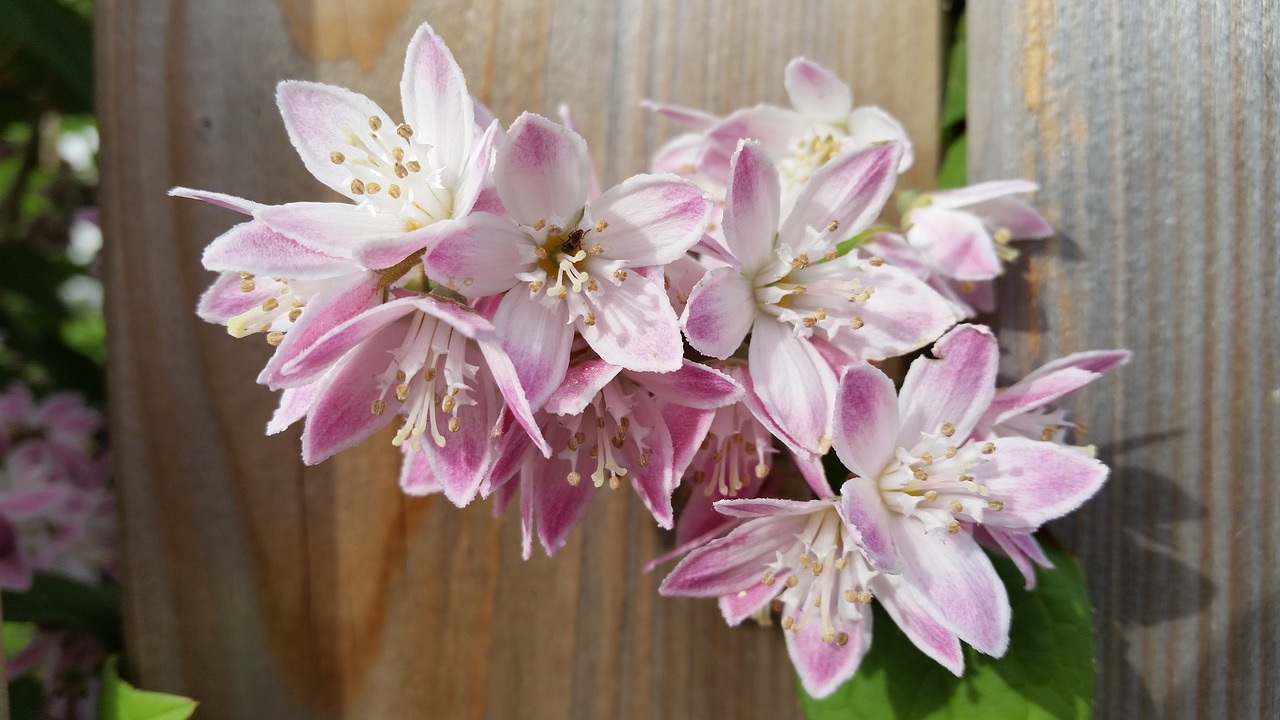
point(856, 322)
point(275, 338)
point(792, 581)
point(948, 429)
point(926, 459)
point(875, 261)
point(956, 506)
point(454, 424)
point(919, 474)
point(799, 262)
point(829, 255)
point(247, 285)
point(601, 225)
point(337, 158)
point(619, 275)
point(769, 578)
point(805, 560)
point(378, 407)
point(642, 460)
point(401, 171)
point(931, 495)
point(1048, 432)
point(402, 392)
point(404, 131)
point(953, 527)
point(375, 123)
point(295, 314)
point(996, 505)
point(413, 166)
point(833, 226)
point(1003, 236)
point(842, 638)
point(787, 622)
point(951, 451)
point(988, 448)
point(398, 154)
point(357, 187)
point(394, 191)
point(574, 478)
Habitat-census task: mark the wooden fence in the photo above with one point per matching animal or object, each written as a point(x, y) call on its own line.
point(269, 590)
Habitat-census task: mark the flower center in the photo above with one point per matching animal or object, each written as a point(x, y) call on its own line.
point(823, 293)
point(825, 576)
point(808, 155)
point(934, 482)
point(281, 308)
point(391, 172)
point(604, 433)
point(735, 443)
point(430, 373)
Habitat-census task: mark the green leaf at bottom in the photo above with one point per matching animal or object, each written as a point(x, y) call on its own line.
point(1047, 672)
point(122, 701)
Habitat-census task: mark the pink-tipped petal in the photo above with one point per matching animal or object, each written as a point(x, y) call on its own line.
point(688, 117)
point(542, 171)
point(693, 385)
point(849, 191)
point(766, 507)
point(558, 506)
point(416, 477)
point(340, 301)
point(719, 312)
point(743, 604)
point(222, 200)
point(869, 125)
point(1049, 384)
point(865, 425)
point(647, 219)
point(461, 318)
point(952, 574)
point(328, 349)
point(508, 382)
point(634, 325)
point(902, 315)
point(467, 456)
point(477, 177)
point(751, 206)
point(225, 299)
point(537, 339)
point(794, 383)
point(1019, 547)
point(294, 404)
point(436, 102)
point(773, 126)
point(320, 119)
point(956, 388)
point(734, 562)
point(1037, 481)
point(582, 382)
point(688, 427)
point(478, 255)
point(335, 229)
point(981, 192)
point(915, 618)
point(342, 415)
point(816, 92)
point(1022, 221)
point(254, 248)
point(824, 665)
point(864, 513)
point(653, 481)
point(956, 244)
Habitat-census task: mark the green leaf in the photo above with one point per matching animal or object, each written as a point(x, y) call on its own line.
point(955, 101)
point(122, 701)
point(56, 600)
point(17, 636)
point(954, 170)
point(1047, 672)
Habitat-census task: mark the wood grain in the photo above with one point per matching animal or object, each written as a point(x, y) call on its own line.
point(265, 589)
point(1152, 127)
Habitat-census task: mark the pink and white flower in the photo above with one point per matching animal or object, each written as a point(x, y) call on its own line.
point(428, 359)
point(806, 555)
point(920, 484)
point(606, 425)
point(564, 263)
point(821, 125)
point(958, 240)
point(805, 305)
point(292, 271)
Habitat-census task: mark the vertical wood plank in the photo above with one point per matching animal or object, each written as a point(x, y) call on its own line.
point(1152, 127)
point(265, 589)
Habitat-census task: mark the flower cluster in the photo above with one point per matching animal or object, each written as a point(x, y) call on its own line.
point(533, 338)
point(56, 513)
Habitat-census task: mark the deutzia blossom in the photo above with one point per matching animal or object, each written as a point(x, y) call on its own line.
point(606, 426)
point(920, 485)
point(805, 305)
point(564, 263)
point(807, 556)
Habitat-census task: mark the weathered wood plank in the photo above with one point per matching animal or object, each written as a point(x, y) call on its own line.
point(268, 590)
point(1153, 128)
